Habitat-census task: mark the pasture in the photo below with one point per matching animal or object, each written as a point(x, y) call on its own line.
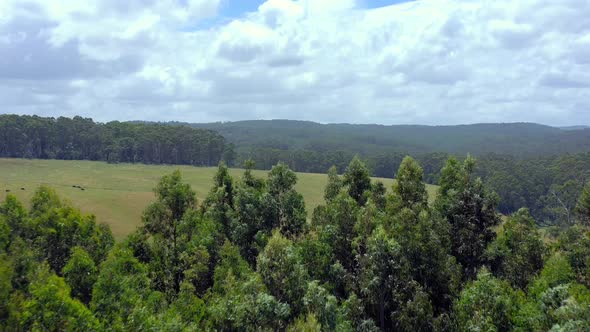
point(118, 193)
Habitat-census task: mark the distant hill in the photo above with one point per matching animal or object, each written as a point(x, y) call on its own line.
point(574, 128)
point(516, 139)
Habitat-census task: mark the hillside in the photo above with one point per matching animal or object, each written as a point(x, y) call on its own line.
point(517, 139)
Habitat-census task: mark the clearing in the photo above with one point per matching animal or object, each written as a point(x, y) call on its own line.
point(118, 193)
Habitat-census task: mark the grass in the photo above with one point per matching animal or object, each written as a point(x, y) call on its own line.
point(118, 193)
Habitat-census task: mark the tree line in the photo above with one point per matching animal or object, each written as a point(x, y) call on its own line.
point(548, 185)
point(246, 259)
point(83, 139)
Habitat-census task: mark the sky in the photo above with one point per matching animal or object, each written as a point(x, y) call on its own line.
point(433, 62)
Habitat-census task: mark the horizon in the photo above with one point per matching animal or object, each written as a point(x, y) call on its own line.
point(582, 126)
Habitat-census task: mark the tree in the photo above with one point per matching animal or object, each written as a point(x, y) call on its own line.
point(319, 303)
point(51, 308)
point(555, 301)
point(409, 190)
point(248, 227)
point(334, 184)
point(335, 224)
point(424, 241)
point(583, 206)
point(574, 243)
point(80, 273)
point(163, 220)
point(240, 300)
point(13, 213)
point(121, 286)
point(219, 203)
point(6, 275)
point(383, 273)
point(559, 203)
point(378, 195)
point(356, 177)
point(556, 271)
point(57, 227)
point(470, 211)
point(282, 272)
point(249, 179)
point(309, 323)
point(283, 206)
point(517, 253)
point(486, 304)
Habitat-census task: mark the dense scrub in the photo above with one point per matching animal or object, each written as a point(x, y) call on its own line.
point(246, 258)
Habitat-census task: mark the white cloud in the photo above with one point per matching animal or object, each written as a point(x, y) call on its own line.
point(428, 61)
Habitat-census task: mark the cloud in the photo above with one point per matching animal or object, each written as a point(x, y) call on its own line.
point(428, 61)
point(565, 81)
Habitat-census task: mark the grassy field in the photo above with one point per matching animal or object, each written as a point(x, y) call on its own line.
point(118, 193)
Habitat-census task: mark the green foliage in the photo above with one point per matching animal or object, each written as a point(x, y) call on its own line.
point(249, 179)
point(471, 212)
point(378, 195)
point(383, 273)
point(309, 323)
point(283, 206)
point(248, 229)
point(259, 209)
point(556, 271)
point(189, 307)
point(80, 273)
point(121, 286)
point(409, 190)
point(574, 242)
point(79, 138)
point(334, 184)
point(240, 300)
point(559, 203)
point(356, 178)
point(335, 224)
point(57, 227)
point(14, 216)
point(583, 206)
point(416, 314)
point(424, 242)
point(317, 255)
point(246, 260)
point(322, 305)
point(281, 271)
point(564, 307)
point(51, 308)
point(5, 234)
point(486, 304)
point(220, 201)
point(6, 276)
point(176, 253)
point(517, 253)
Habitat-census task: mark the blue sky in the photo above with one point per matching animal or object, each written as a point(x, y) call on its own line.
point(232, 9)
point(236, 8)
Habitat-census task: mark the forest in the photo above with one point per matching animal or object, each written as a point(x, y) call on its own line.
point(246, 258)
point(79, 138)
point(538, 167)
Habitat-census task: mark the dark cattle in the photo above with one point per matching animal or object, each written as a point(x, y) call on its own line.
point(7, 190)
point(22, 188)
